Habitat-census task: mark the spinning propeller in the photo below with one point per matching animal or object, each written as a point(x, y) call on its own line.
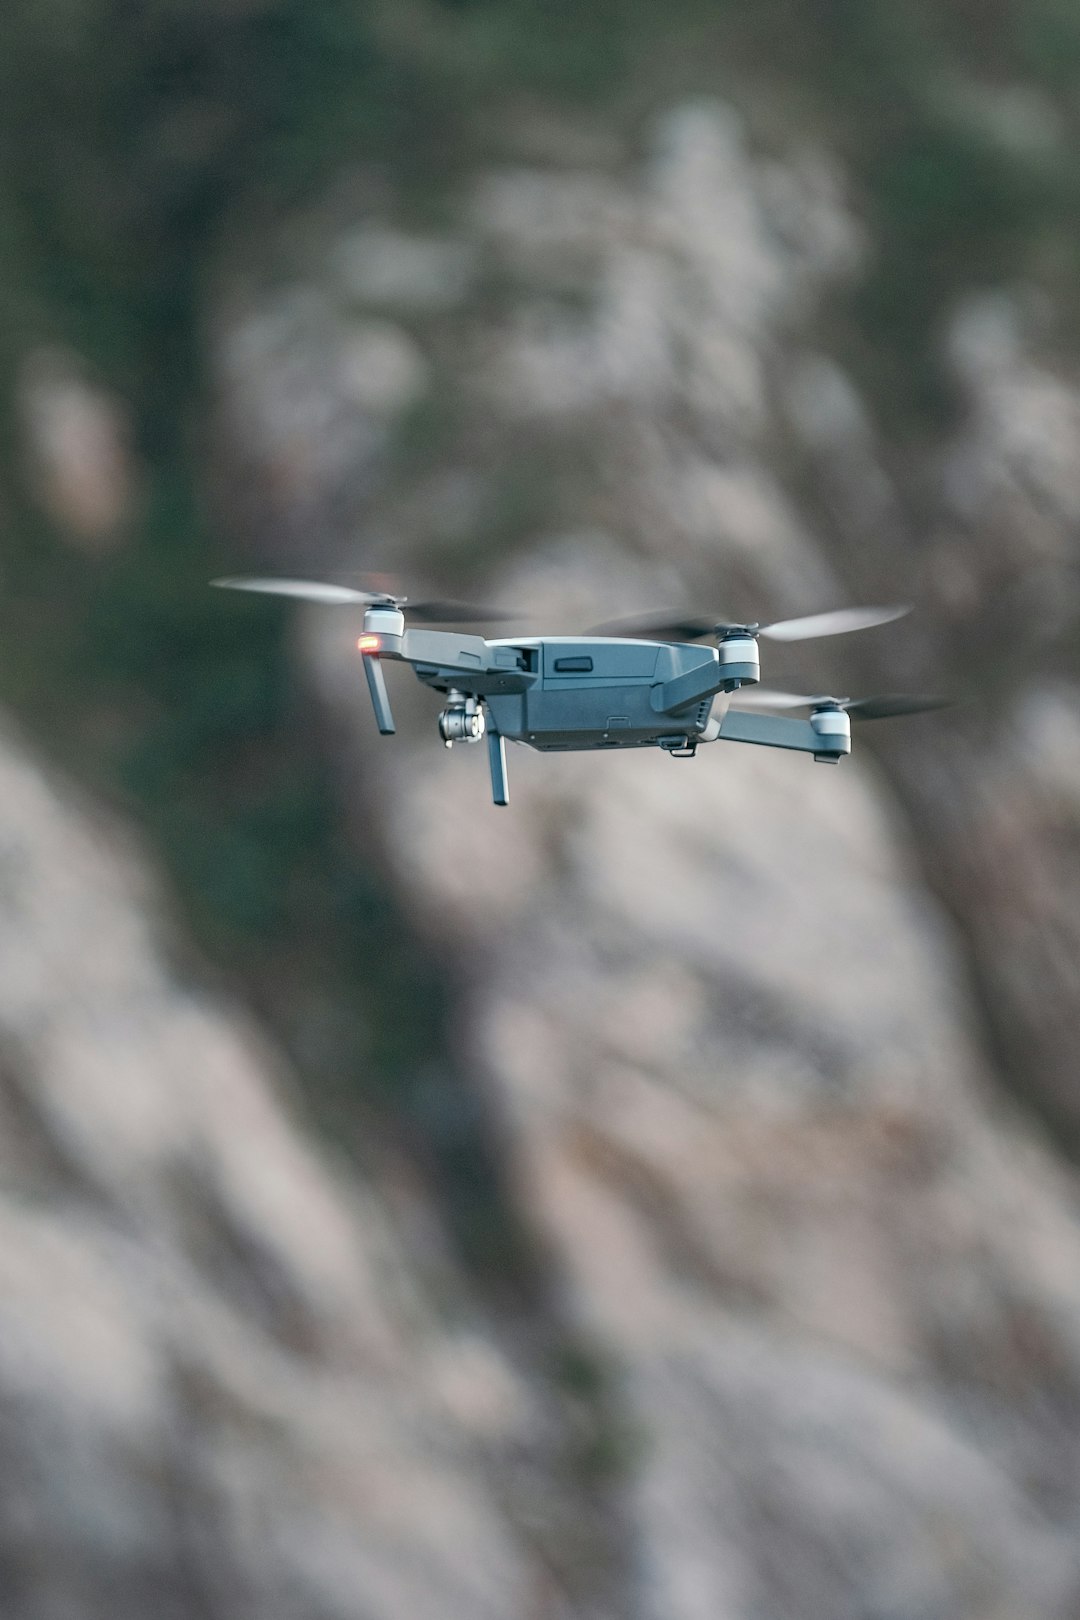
point(871, 708)
point(308, 590)
point(697, 627)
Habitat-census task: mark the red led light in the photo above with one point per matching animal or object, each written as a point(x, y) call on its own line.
point(369, 644)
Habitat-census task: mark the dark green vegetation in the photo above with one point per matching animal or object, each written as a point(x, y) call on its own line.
point(959, 122)
point(138, 136)
point(132, 138)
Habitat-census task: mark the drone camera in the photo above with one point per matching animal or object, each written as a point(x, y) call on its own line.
point(461, 721)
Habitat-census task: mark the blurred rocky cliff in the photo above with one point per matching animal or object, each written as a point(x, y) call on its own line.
point(766, 1074)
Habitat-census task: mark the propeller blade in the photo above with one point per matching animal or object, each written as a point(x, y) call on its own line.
point(696, 627)
point(308, 590)
point(871, 708)
point(885, 708)
point(671, 626)
point(840, 623)
point(456, 613)
point(760, 697)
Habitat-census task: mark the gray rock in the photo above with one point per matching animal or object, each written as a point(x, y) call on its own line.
point(725, 1010)
point(221, 1392)
point(726, 1024)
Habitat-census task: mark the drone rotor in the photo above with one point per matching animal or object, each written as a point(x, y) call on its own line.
point(886, 707)
point(698, 627)
point(310, 590)
point(839, 623)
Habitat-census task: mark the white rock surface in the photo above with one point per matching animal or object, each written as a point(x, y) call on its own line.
point(77, 446)
point(726, 1025)
point(221, 1391)
point(729, 1032)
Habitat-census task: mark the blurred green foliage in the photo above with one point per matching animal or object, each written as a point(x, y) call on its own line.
point(961, 183)
point(137, 136)
point(131, 135)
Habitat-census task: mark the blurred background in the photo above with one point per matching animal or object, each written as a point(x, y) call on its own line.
point(656, 1201)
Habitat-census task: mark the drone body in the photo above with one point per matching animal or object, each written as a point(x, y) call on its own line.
point(599, 691)
point(557, 694)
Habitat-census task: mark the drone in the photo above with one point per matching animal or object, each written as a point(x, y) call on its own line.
point(642, 683)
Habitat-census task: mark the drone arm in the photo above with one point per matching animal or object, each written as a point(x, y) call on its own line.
point(380, 698)
point(500, 786)
point(825, 740)
point(448, 649)
point(442, 659)
point(684, 691)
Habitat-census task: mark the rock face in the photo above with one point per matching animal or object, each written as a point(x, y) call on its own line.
point(731, 1037)
point(222, 1395)
point(81, 461)
point(732, 1017)
point(729, 1025)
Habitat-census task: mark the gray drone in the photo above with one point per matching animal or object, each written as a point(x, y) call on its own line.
point(635, 684)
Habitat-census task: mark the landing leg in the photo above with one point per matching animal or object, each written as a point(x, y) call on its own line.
point(380, 698)
point(500, 786)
